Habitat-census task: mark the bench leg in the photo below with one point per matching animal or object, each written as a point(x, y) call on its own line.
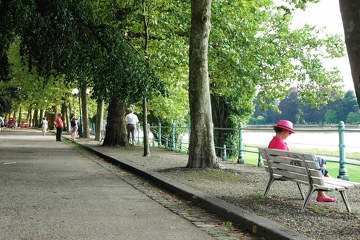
point(307, 199)
point(301, 192)
point(344, 197)
point(271, 180)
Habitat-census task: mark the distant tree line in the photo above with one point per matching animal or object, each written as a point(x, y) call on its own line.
point(344, 108)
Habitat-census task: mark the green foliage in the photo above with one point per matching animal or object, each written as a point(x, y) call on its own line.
point(331, 117)
point(67, 38)
point(298, 112)
point(353, 118)
point(167, 51)
point(252, 52)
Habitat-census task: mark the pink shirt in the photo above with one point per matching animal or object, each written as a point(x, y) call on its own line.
point(59, 122)
point(278, 143)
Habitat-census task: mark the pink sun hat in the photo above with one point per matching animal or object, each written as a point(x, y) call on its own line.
point(285, 124)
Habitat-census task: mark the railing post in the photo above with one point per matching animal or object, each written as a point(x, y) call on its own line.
point(173, 137)
point(241, 153)
point(180, 145)
point(224, 153)
point(342, 168)
point(260, 161)
point(159, 135)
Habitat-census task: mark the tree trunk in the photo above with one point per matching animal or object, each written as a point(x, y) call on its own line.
point(145, 130)
point(36, 118)
point(41, 116)
point(84, 109)
point(351, 21)
point(220, 115)
point(99, 119)
point(115, 127)
point(146, 46)
point(64, 115)
point(202, 148)
point(19, 118)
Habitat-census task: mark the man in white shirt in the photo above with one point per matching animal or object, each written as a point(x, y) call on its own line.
point(131, 120)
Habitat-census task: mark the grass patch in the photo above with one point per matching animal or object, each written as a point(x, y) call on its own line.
point(229, 225)
point(260, 196)
point(321, 210)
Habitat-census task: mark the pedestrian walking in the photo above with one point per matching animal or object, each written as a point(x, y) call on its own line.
point(44, 126)
point(131, 121)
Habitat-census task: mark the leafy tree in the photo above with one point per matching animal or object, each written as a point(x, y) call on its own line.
point(289, 107)
point(353, 118)
point(312, 114)
point(168, 25)
point(66, 37)
point(331, 117)
point(346, 105)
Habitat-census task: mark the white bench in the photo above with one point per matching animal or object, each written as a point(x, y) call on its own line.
point(302, 169)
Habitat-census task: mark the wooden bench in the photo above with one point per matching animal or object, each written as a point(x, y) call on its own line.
point(302, 169)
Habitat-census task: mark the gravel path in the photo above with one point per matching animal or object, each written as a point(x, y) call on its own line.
point(243, 186)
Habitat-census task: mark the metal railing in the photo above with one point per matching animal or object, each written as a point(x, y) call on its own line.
point(177, 139)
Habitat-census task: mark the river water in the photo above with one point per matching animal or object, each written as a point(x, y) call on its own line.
point(306, 139)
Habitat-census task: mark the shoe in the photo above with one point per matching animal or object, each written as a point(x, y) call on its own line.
point(325, 199)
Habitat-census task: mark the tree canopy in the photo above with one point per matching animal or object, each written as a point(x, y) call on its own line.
point(133, 50)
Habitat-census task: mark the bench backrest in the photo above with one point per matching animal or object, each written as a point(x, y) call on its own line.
point(295, 166)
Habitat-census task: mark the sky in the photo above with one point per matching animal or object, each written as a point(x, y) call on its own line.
point(326, 13)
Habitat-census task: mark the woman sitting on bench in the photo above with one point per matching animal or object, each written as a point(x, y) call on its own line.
point(283, 130)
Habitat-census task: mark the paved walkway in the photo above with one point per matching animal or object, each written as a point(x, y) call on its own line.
point(50, 190)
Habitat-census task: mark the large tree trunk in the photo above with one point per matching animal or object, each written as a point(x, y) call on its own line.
point(115, 127)
point(351, 21)
point(202, 148)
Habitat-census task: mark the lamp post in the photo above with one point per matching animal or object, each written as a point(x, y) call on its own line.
point(76, 93)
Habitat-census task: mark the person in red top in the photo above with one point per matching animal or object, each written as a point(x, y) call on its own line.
point(59, 124)
point(283, 129)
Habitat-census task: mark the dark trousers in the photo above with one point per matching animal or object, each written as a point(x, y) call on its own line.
point(58, 133)
point(131, 130)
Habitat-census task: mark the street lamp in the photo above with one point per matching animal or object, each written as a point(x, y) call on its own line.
point(76, 93)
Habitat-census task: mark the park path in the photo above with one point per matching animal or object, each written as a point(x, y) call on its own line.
point(50, 190)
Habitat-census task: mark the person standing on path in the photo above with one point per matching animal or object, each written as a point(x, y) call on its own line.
point(74, 126)
point(44, 126)
point(59, 124)
point(131, 120)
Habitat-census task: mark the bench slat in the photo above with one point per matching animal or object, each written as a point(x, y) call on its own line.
point(290, 154)
point(329, 187)
point(300, 177)
point(292, 168)
point(346, 184)
point(294, 161)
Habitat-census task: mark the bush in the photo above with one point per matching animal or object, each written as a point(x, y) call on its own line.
point(353, 118)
